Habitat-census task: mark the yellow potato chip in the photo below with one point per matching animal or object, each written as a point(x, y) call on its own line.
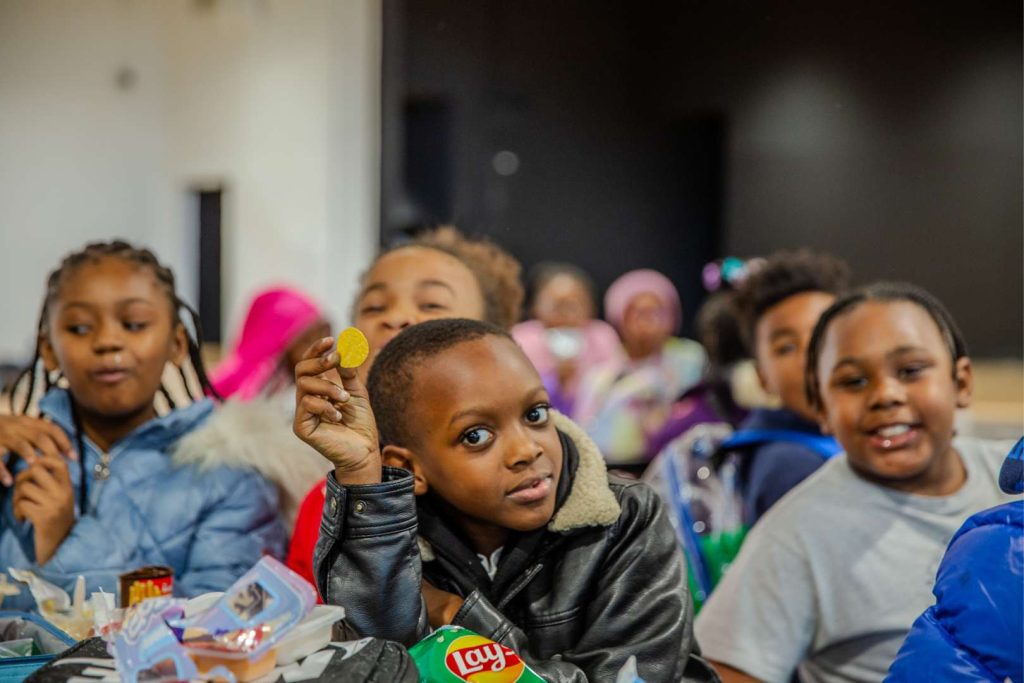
point(352, 348)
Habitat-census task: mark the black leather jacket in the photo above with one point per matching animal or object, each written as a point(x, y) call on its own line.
point(603, 581)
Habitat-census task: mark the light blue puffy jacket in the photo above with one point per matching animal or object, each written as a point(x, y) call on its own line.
point(975, 631)
point(209, 525)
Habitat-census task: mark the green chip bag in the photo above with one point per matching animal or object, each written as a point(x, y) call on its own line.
point(452, 654)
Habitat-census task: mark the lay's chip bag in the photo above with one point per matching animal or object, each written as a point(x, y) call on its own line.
point(453, 654)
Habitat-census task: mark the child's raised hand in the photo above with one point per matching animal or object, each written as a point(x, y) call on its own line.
point(27, 437)
point(43, 495)
point(336, 420)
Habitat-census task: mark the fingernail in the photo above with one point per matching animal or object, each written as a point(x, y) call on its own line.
point(332, 358)
point(7, 481)
point(326, 339)
point(72, 455)
point(343, 396)
point(337, 416)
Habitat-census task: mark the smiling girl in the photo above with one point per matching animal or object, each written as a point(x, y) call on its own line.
point(830, 580)
point(109, 326)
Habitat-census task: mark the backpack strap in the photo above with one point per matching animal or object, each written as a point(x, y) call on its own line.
point(691, 541)
point(823, 445)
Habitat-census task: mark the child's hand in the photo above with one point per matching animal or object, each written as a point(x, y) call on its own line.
point(25, 436)
point(442, 606)
point(43, 495)
point(336, 420)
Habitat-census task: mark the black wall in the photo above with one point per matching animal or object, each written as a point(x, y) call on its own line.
point(665, 134)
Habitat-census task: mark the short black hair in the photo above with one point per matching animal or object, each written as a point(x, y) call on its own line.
point(390, 383)
point(882, 291)
point(786, 274)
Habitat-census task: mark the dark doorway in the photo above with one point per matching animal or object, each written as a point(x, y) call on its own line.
point(209, 205)
point(530, 123)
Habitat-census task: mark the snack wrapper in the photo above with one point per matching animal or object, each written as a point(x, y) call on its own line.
point(232, 640)
point(255, 613)
point(7, 589)
point(73, 616)
point(147, 649)
point(453, 654)
point(628, 673)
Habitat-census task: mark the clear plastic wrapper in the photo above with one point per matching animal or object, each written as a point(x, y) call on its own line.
point(22, 647)
point(230, 637)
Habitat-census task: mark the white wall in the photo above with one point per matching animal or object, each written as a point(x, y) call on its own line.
point(275, 99)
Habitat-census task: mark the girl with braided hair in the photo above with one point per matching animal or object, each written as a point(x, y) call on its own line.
point(89, 485)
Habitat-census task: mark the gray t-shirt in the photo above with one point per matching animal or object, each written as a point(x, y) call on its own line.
point(833, 576)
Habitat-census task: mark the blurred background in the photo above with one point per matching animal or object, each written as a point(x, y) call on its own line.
point(252, 142)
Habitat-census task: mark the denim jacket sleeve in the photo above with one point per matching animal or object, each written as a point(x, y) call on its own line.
point(367, 559)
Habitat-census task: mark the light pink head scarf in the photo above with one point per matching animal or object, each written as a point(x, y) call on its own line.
point(275, 319)
point(622, 292)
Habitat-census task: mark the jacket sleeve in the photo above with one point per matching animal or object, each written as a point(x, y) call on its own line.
point(641, 606)
point(974, 630)
point(239, 528)
point(367, 558)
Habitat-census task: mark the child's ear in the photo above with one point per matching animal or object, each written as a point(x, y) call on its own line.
point(398, 456)
point(964, 377)
point(179, 345)
point(47, 353)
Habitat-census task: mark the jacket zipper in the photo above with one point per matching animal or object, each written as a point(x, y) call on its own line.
point(100, 474)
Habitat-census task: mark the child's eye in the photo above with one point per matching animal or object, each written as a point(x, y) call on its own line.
point(77, 330)
point(477, 437)
point(911, 371)
point(431, 307)
point(538, 415)
point(370, 310)
point(850, 382)
point(785, 349)
point(135, 325)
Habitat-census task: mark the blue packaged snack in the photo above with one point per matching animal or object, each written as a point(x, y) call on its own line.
point(147, 649)
point(233, 640)
point(254, 614)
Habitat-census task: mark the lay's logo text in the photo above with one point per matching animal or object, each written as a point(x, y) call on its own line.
point(479, 660)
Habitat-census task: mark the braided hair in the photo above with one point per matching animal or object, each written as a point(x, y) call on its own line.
point(35, 380)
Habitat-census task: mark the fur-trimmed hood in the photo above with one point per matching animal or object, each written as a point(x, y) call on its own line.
point(256, 435)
